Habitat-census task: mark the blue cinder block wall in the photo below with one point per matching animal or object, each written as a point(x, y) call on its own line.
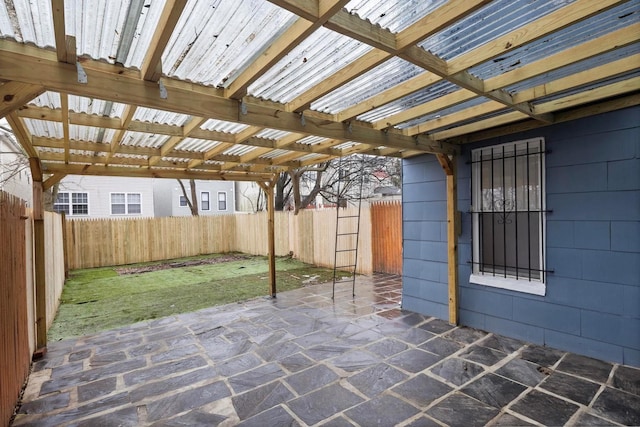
point(592, 301)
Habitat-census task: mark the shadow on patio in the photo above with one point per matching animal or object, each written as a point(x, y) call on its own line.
point(304, 360)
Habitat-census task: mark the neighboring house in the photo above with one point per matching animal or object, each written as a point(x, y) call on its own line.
point(549, 247)
point(214, 197)
point(15, 175)
point(105, 197)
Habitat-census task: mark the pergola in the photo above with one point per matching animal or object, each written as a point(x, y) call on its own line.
point(244, 90)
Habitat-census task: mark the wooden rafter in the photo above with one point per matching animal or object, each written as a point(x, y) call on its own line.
point(182, 98)
point(22, 134)
point(151, 69)
point(299, 31)
point(555, 21)
point(15, 94)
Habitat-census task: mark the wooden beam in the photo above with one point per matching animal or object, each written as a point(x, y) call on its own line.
point(590, 76)
point(151, 68)
point(563, 116)
point(300, 30)
point(183, 98)
point(136, 172)
point(403, 89)
point(445, 101)
point(446, 163)
point(14, 95)
point(437, 20)
point(462, 115)
point(52, 180)
point(57, 9)
point(586, 50)
point(511, 117)
point(22, 134)
point(588, 96)
point(346, 74)
point(555, 21)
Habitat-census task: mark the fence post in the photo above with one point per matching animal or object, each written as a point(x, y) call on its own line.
point(39, 258)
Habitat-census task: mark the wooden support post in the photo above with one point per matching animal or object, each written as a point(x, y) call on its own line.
point(449, 166)
point(39, 260)
point(269, 189)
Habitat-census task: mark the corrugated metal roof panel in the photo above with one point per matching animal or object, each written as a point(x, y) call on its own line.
point(273, 154)
point(96, 106)
point(586, 88)
point(215, 39)
point(489, 22)
point(196, 145)
point(311, 156)
point(139, 139)
point(44, 128)
point(395, 15)
point(85, 133)
point(425, 95)
point(315, 59)
point(27, 21)
point(238, 150)
point(312, 140)
point(272, 134)
point(385, 76)
point(160, 116)
point(222, 126)
point(611, 20)
point(576, 68)
point(47, 99)
point(442, 113)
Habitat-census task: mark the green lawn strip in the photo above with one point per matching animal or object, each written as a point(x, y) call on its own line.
point(99, 299)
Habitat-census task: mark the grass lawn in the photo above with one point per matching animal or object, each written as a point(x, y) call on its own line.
point(100, 298)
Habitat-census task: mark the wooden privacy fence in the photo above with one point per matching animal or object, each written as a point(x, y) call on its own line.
point(310, 236)
point(17, 294)
point(386, 236)
point(14, 334)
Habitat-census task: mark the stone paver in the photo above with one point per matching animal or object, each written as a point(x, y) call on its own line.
point(304, 359)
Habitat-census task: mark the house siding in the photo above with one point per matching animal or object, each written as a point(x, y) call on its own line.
point(167, 194)
point(592, 301)
point(99, 189)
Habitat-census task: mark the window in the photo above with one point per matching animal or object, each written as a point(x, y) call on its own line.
point(72, 203)
point(508, 214)
point(222, 201)
point(204, 201)
point(126, 204)
point(183, 201)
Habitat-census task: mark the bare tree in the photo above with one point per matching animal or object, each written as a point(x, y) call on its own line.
point(192, 201)
point(336, 181)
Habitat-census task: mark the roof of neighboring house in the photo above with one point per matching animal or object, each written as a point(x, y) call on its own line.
point(240, 90)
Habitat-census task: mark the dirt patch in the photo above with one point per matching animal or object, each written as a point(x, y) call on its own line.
point(179, 264)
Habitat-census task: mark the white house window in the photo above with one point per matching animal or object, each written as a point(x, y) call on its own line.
point(222, 201)
point(508, 212)
point(72, 203)
point(126, 204)
point(182, 201)
point(204, 201)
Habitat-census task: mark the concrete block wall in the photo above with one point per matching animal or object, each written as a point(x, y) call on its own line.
point(592, 301)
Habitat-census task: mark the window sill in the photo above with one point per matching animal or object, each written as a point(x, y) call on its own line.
point(525, 286)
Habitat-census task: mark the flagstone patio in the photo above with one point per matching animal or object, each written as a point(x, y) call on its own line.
point(303, 359)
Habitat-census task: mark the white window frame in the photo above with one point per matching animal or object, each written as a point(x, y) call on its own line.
point(70, 203)
point(535, 286)
point(180, 199)
point(126, 203)
point(202, 201)
point(226, 205)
